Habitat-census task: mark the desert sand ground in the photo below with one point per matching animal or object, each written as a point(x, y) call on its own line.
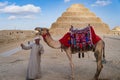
point(55, 64)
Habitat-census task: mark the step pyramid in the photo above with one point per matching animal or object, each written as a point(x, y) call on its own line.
point(78, 16)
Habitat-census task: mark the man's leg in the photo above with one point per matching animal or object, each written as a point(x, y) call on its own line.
point(39, 67)
point(27, 78)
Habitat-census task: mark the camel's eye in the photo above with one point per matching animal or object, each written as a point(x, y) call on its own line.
point(41, 29)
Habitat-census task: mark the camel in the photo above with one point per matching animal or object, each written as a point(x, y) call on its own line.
point(98, 50)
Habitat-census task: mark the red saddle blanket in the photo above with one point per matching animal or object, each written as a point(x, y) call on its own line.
point(77, 37)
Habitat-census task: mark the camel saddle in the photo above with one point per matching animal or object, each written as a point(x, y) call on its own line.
point(81, 39)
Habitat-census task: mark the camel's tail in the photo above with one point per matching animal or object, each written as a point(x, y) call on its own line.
point(104, 60)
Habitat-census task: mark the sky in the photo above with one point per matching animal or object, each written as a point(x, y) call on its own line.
point(28, 14)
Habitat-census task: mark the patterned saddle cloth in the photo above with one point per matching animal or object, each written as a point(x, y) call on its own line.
point(80, 39)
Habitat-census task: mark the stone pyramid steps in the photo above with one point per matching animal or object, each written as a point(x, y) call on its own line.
point(71, 9)
point(78, 16)
point(80, 25)
point(78, 19)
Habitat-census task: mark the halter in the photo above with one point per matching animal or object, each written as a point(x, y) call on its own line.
point(44, 36)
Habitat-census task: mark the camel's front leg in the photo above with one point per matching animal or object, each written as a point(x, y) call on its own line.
point(69, 55)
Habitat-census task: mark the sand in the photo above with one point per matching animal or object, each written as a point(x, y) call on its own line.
point(55, 64)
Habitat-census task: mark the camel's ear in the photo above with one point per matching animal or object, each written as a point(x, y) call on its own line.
point(41, 29)
point(36, 28)
point(47, 30)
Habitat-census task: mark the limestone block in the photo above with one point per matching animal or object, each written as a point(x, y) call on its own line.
point(78, 19)
point(78, 14)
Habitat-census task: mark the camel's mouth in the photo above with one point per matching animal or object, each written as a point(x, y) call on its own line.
point(36, 31)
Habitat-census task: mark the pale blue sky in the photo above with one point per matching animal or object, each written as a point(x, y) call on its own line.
point(28, 14)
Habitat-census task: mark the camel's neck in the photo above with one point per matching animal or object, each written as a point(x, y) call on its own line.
point(52, 43)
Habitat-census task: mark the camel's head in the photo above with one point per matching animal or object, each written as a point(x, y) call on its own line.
point(41, 31)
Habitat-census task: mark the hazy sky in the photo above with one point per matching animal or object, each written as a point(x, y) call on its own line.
point(28, 14)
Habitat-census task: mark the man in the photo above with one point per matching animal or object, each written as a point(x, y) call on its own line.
point(37, 49)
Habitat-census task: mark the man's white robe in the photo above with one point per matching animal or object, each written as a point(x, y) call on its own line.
point(34, 60)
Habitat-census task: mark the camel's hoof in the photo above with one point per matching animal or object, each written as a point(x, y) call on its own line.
point(72, 78)
point(95, 78)
point(104, 61)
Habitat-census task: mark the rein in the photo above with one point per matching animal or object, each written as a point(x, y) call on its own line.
point(44, 36)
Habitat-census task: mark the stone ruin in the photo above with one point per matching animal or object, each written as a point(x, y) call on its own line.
point(115, 31)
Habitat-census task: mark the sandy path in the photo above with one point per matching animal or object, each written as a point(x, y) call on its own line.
point(55, 65)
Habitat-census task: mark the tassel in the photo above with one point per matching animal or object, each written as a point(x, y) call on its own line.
point(82, 55)
point(79, 55)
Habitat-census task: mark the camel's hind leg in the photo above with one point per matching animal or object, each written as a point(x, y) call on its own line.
point(99, 64)
point(98, 56)
point(69, 55)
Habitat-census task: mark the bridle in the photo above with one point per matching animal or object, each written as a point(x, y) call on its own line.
point(44, 35)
